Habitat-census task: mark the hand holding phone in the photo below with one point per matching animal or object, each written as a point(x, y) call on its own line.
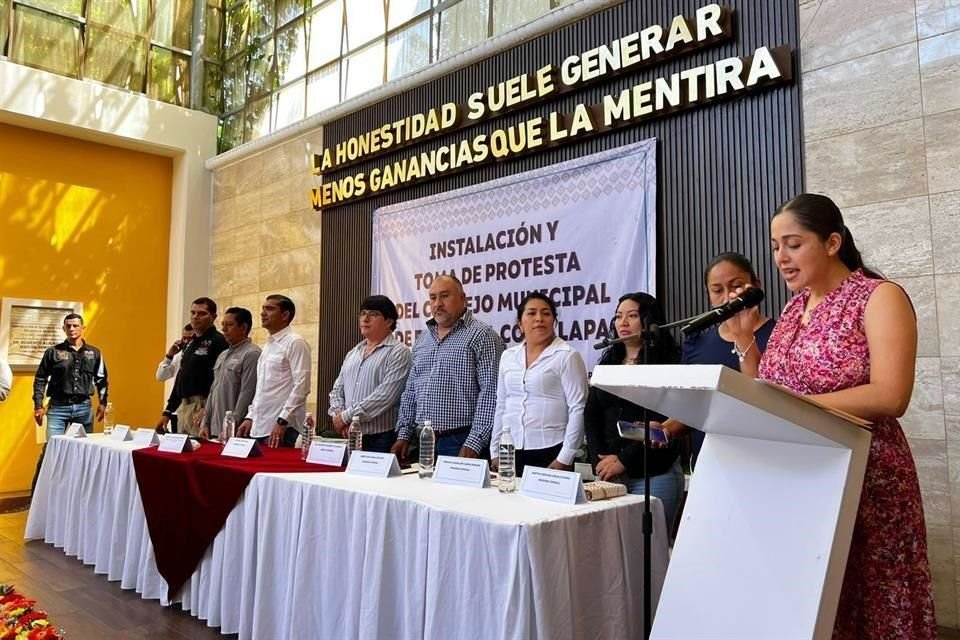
point(633, 431)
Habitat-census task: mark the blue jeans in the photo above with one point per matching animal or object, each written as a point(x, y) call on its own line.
point(449, 445)
point(379, 442)
point(60, 416)
point(666, 486)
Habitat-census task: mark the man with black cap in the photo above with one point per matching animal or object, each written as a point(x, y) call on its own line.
point(372, 377)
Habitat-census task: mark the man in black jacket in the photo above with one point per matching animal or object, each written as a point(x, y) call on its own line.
point(196, 367)
point(69, 373)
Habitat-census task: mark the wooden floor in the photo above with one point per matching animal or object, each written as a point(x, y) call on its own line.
point(83, 604)
point(86, 606)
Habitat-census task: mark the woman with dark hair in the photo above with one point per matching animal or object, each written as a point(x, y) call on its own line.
point(848, 339)
point(741, 338)
point(615, 458)
point(541, 391)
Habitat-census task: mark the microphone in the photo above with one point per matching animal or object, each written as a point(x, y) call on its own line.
point(749, 298)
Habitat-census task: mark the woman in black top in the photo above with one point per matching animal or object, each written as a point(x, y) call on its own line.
point(613, 457)
point(743, 336)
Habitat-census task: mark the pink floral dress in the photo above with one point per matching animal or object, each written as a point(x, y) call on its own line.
point(887, 590)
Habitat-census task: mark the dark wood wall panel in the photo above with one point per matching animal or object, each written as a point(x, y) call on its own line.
point(722, 168)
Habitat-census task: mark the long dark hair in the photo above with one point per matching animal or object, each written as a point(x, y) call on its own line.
point(664, 350)
point(820, 215)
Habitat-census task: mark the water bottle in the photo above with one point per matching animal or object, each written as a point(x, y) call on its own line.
point(355, 436)
point(306, 438)
point(427, 439)
point(508, 476)
point(108, 419)
point(229, 428)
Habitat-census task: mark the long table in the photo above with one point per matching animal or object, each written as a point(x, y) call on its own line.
point(331, 555)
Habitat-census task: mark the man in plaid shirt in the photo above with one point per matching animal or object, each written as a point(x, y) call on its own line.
point(453, 382)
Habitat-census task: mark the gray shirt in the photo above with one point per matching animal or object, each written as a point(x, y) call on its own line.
point(234, 383)
point(369, 388)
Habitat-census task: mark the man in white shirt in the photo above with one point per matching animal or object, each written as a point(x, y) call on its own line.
point(6, 380)
point(278, 409)
point(170, 364)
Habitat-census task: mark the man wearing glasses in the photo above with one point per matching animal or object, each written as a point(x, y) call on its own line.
point(372, 378)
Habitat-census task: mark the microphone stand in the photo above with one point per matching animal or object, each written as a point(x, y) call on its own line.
point(648, 336)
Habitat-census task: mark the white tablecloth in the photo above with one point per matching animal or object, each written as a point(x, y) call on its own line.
point(328, 555)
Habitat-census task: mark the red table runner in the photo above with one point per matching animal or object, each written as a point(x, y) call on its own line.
point(188, 496)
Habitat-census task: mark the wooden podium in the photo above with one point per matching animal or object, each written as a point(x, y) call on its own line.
point(766, 528)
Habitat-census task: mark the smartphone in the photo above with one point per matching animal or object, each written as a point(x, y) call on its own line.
point(631, 431)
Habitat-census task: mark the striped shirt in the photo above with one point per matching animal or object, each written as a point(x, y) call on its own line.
point(453, 382)
point(369, 387)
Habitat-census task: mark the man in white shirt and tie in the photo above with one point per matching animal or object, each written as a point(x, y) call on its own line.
point(278, 410)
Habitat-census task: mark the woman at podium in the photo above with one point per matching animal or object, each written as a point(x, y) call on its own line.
point(541, 390)
point(730, 342)
point(848, 338)
point(615, 458)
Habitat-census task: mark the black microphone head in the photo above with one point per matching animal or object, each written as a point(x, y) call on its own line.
point(752, 297)
point(603, 344)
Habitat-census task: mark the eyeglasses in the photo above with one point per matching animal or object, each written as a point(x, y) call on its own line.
point(369, 314)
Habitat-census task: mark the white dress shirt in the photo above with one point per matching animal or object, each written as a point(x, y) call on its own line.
point(6, 380)
point(283, 383)
point(168, 367)
point(541, 404)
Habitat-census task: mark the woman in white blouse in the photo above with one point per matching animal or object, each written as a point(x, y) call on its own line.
point(541, 391)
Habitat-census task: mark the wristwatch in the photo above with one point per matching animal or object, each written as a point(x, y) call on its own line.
point(282, 422)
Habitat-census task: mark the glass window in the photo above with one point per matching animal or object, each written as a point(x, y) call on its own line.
point(363, 70)
point(508, 14)
point(256, 119)
point(4, 21)
point(67, 7)
point(291, 52)
point(324, 34)
point(169, 76)
point(212, 83)
point(409, 49)
point(287, 10)
point(173, 22)
point(46, 42)
point(405, 10)
point(462, 26)
point(213, 33)
point(231, 132)
point(236, 30)
point(365, 21)
point(288, 105)
point(130, 15)
point(261, 17)
point(234, 84)
point(115, 57)
point(260, 69)
point(323, 89)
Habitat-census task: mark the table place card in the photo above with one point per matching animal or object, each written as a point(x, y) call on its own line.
point(553, 485)
point(328, 453)
point(121, 433)
point(146, 435)
point(175, 443)
point(241, 448)
point(75, 430)
point(467, 472)
point(378, 465)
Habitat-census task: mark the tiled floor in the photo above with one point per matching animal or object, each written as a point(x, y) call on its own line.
point(83, 604)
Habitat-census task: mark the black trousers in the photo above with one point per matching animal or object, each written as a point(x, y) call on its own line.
point(536, 457)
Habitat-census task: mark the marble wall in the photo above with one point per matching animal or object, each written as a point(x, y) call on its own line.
point(265, 237)
point(881, 99)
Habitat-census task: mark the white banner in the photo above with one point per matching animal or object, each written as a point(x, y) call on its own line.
point(581, 231)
